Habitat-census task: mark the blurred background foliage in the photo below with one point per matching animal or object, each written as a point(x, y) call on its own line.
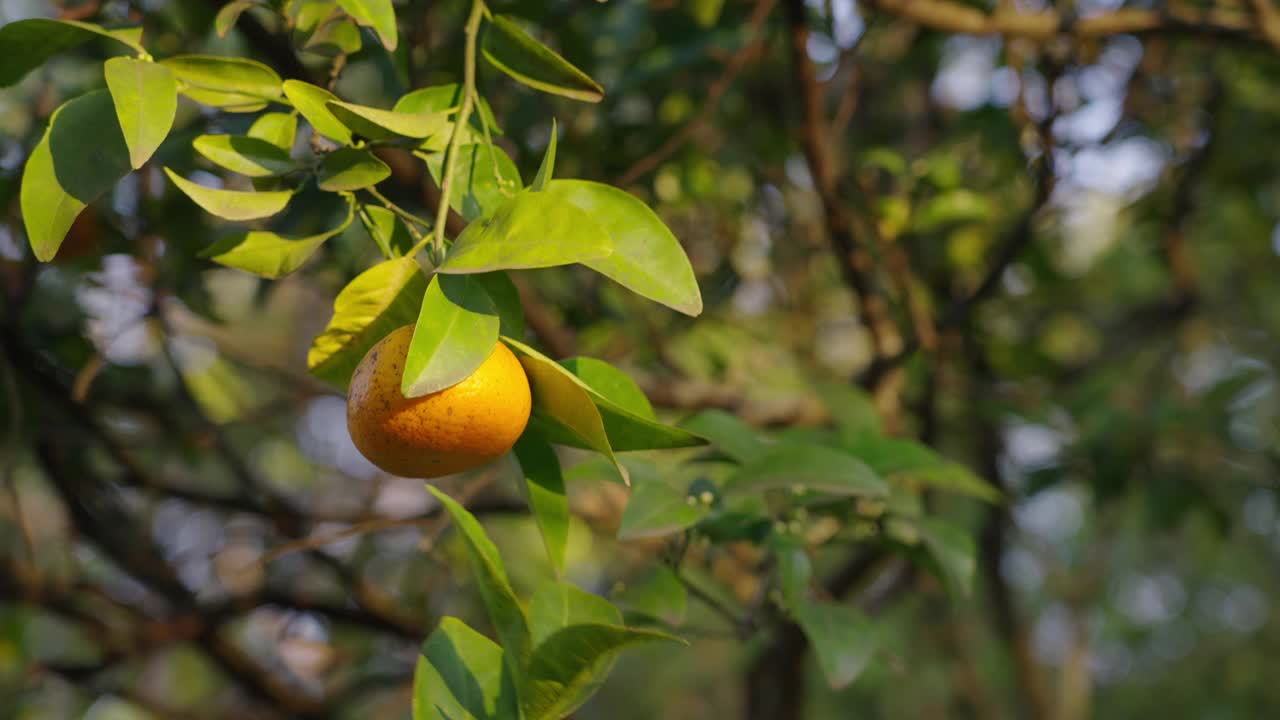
point(1068, 242)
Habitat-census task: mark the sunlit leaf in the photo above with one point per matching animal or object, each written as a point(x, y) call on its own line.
point(145, 96)
point(462, 675)
point(545, 486)
point(456, 332)
point(377, 14)
point(646, 259)
point(279, 129)
point(81, 156)
point(268, 254)
point(379, 300)
point(515, 52)
point(484, 177)
point(313, 103)
point(232, 204)
point(547, 168)
point(377, 124)
point(348, 169)
point(245, 155)
point(29, 43)
point(229, 14)
point(235, 77)
point(531, 230)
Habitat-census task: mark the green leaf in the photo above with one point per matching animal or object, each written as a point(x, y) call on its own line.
point(731, 435)
point(313, 103)
point(245, 155)
point(335, 38)
point(448, 97)
point(616, 386)
point(545, 486)
point(852, 410)
point(909, 461)
point(660, 596)
point(561, 402)
point(483, 178)
point(557, 605)
point(657, 509)
point(462, 675)
point(146, 98)
point(379, 300)
point(279, 129)
point(230, 82)
point(500, 600)
point(564, 667)
point(506, 298)
point(456, 332)
point(377, 124)
point(268, 254)
point(628, 417)
point(388, 230)
point(81, 156)
point(646, 259)
point(548, 166)
point(807, 466)
point(229, 14)
point(28, 43)
point(953, 550)
point(530, 230)
point(348, 169)
point(377, 14)
point(842, 637)
point(232, 204)
point(515, 52)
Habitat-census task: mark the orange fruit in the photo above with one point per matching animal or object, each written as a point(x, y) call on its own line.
point(461, 427)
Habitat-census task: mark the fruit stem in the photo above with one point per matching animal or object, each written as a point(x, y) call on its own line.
point(459, 125)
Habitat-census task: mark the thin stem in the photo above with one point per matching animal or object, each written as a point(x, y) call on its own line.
point(384, 243)
point(411, 220)
point(459, 124)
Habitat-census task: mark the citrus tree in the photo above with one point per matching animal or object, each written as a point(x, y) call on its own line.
point(441, 322)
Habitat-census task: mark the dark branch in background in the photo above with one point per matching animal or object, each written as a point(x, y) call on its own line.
point(275, 48)
point(715, 91)
point(847, 238)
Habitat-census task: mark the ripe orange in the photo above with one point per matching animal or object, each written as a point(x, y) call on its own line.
point(461, 427)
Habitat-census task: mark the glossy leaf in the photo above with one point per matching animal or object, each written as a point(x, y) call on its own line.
point(728, 433)
point(660, 596)
point(388, 230)
point(506, 298)
point(616, 386)
point(145, 95)
point(564, 667)
point(462, 675)
point(313, 103)
point(557, 605)
point(544, 484)
point(279, 129)
point(335, 38)
point(531, 230)
point(377, 124)
point(441, 98)
point(907, 460)
point(237, 80)
point(377, 14)
point(347, 169)
point(657, 509)
point(456, 332)
point(842, 637)
point(500, 600)
point(806, 466)
point(232, 204)
point(563, 403)
point(954, 552)
point(515, 52)
point(246, 155)
point(229, 14)
point(379, 300)
point(81, 156)
point(628, 417)
point(483, 179)
point(29, 43)
point(268, 254)
point(547, 168)
point(646, 259)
